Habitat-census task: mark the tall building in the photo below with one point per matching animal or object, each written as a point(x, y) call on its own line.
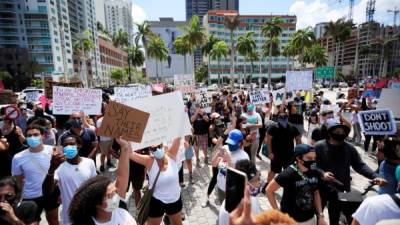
point(82, 18)
point(197, 7)
point(214, 24)
point(224, 5)
point(168, 30)
point(35, 31)
point(319, 30)
point(118, 15)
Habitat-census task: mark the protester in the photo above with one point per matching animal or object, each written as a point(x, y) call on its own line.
point(105, 144)
point(335, 156)
point(101, 201)
point(254, 123)
point(30, 168)
point(13, 211)
point(296, 109)
point(313, 123)
point(68, 175)
point(13, 134)
point(5, 157)
point(301, 183)
point(387, 168)
point(50, 134)
point(201, 124)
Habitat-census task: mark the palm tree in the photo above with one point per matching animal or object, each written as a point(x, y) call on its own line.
point(182, 47)
point(246, 46)
point(135, 58)
point(253, 56)
point(386, 45)
point(219, 50)
point(232, 23)
point(158, 50)
point(118, 75)
point(301, 40)
point(81, 46)
point(143, 34)
point(271, 30)
point(289, 52)
point(340, 32)
point(120, 38)
point(316, 55)
point(31, 68)
point(270, 49)
point(206, 49)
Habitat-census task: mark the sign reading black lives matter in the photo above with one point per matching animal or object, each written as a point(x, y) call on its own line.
point(259, 96)
point(377, 122)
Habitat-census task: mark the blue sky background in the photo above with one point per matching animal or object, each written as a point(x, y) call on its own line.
point(308, 12)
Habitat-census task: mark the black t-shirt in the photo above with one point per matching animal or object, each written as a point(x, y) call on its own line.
point(200, 126)
point(26, 212)
point(88, 137)
point(298, 193)
point(296, 118)
point(282, 140)
point(319, 134)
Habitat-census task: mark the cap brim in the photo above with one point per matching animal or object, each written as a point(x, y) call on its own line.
point(231, 142)
point(345, 128)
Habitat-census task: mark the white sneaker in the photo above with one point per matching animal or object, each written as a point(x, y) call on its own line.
point(205, 203)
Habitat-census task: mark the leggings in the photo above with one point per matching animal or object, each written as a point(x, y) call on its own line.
point(181, 174)
point(213, 181)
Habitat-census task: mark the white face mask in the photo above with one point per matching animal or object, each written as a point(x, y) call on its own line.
point(159, 153)
point(112, 203)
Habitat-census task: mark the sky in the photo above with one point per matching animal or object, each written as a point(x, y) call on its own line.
point(308, 12)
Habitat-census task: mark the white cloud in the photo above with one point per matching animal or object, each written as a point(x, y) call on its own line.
point(138, 14)
point(312, 12)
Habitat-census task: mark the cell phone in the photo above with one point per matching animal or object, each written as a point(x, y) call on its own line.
point(235, 184)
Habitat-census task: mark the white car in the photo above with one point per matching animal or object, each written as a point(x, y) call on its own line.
point(22, 95)
point(212, 87)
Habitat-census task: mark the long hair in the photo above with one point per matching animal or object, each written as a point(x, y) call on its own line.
point(87, 197)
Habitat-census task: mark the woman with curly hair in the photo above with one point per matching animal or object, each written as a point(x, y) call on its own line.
point(97, 200)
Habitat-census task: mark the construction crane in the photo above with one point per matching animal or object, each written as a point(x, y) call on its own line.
point(395, 11)
point(351, 6)
point(370, 11)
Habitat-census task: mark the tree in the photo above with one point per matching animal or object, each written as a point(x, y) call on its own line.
point(118, 75)
point(340, 32)
point(253, 56)
point(182, 47)
point(135, 58)
point(289, 52)
point(143, 34)
point(232, 23)
point(386, 45)
point(206, 49)
point(316, 55)
point(301, 40)
point(201, 73)
point(270, 49)
point(219, 50)
point(120, 39)
point(271, 30)
point(158, 50)
point(246, 46)
point(31, 68)
point(82, 46)
point(37, 83)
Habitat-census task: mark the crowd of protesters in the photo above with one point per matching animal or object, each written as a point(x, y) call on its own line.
point(51, 163)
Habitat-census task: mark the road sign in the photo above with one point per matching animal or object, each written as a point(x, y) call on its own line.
point(11, 112)
point(325, 72)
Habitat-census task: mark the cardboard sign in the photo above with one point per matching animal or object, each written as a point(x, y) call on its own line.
point(67, 100)
point(204, 101)
point(121, 120)
point(377, 122)
point(49, 83)
point(299, 80)
point(279, 96)
point(32, 96)
point(184, 83)
point(259, 96)
point(123, 94)
point(390, 99)
point(168, 119)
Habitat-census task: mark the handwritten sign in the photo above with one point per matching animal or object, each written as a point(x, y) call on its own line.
point(49, 83)
point(279, 96)
point(377, 122)
point(32, 96)
point(259, 96)
point(298, 80)
point(123, 94)
point(204, 101)
point(184, 83)
point(67, 100)
point(390, 100)
point(121, 120)
point(167, 120)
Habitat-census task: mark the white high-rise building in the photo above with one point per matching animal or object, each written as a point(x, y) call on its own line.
point(118, 15)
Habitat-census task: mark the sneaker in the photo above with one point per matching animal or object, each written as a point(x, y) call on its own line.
point(102, 169)
point(191, 179)
point(182, 184)
point(198, 163)
point(205, 203)
point(206, 160)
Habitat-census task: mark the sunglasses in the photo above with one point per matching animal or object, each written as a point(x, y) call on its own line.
point(7, 197)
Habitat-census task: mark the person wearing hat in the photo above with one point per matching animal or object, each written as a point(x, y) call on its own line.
point(254, 123)
point(301, 183)
point(335, 156)
point(201, 125)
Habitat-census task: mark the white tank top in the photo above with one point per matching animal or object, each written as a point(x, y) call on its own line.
point(167, 189)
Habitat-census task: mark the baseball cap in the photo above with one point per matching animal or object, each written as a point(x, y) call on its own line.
point(250, 107)
point(234, 137)
point(302, 149)
point(214, 115)
point(333, 124)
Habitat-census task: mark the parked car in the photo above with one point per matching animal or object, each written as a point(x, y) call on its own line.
point(22, 95)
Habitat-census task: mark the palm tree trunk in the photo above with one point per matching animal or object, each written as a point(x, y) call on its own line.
point(157, 70)
point(209, 70)
point(270, 65)
point(232, 70)
point(184, 64)
point(219, 73)
point(381, 61)
point(245, 70)
point(129, 70)
point(385, 67)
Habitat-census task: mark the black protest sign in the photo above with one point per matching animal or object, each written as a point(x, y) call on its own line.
point(377, 122)
point(204, 102)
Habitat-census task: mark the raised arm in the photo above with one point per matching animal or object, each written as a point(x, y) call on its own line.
point(174, 148)
point(122, 180)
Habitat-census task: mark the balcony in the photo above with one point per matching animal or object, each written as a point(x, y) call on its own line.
point(40, 50)
point(8, 24)
point(37, 34)
point(9, 33)
point(39, 42)
point(36, 26)
point(9, 42)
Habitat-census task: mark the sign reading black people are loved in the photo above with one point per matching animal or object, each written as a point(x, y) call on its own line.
point(204, 101)
point(121, 120)
point(377, 122)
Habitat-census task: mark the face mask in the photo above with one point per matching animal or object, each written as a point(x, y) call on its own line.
point(159, 153)
point(112, 203)
point(70, 151)
point(1, 124)
point(311, 164)
point(233, 148)
point(338, 137)
point(283, 121)
point(76, 123)
point(33, 142)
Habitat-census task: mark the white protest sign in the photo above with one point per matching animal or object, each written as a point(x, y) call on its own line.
point(298, 80)
point(67, 100)
point(279, 95)
point(184, 83)
point(123, 94)
point(377, 122)
point(204, 101)
point(259, 96)
point(390, 99)
point(168, 119)
point(32, 96)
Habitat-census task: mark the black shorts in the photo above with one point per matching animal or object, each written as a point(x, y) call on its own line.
point(136, 175)
point(278, 164)
point(158, 208)
point(47, 203)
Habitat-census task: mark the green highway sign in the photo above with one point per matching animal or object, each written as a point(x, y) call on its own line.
point(325, 72)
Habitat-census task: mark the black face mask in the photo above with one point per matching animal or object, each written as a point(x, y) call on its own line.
point(338, 137)
point(311, 164)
